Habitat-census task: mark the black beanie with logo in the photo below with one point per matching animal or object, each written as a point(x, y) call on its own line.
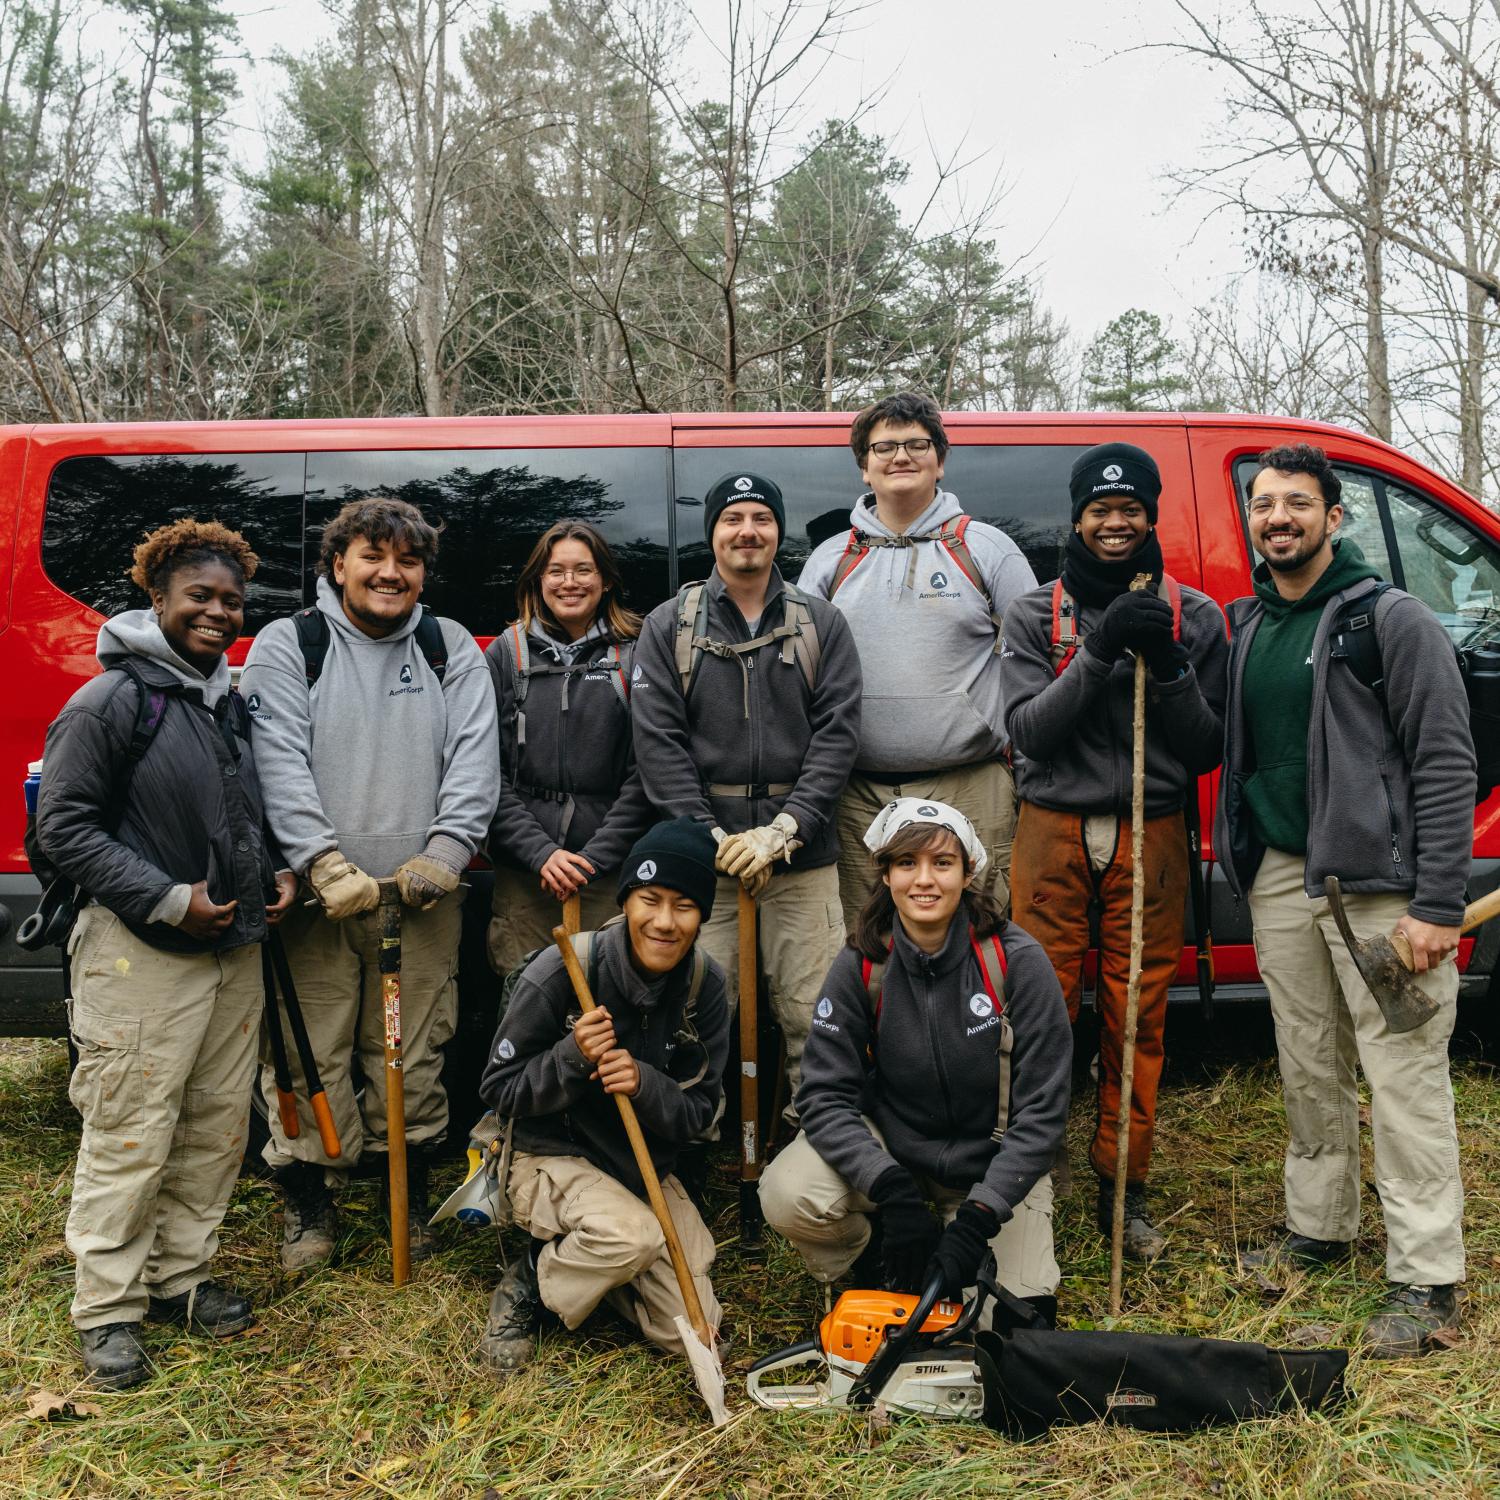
point(679, 855)
point(742, 489)
point(1115, 469)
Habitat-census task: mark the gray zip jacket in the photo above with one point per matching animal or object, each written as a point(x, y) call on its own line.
point(537, 1076)
point(1390, 789)
point(573, 784)
point(758, 727)
point(1074, 731)
point(933, 697)
point(933, 1088)
point(378, 756)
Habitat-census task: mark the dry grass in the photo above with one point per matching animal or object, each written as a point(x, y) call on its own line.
point(353, 1389)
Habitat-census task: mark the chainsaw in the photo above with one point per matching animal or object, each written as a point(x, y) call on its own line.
point(901, 1353)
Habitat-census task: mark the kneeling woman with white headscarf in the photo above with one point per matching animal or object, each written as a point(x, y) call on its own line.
point(935, 1082)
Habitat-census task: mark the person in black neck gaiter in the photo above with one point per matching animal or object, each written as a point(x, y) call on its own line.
point(1069, 684)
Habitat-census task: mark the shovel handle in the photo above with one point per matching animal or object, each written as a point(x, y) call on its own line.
point(749, 987)
point(643, 1160)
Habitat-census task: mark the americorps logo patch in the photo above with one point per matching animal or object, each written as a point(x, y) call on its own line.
point(825, 1007)
point(1113, 472)
point(406, 672)
point(506, 1049)
point(939, 580)
point(647, 870)
point(252, 703)
point(744, 482)
point(981, 1005)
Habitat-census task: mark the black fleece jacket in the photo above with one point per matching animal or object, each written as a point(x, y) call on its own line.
point(537, 1076)
point(933, 1087)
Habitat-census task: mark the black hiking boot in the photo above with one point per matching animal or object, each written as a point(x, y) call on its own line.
point(422, 1240)
point(308, 1218)
point(1287, 1248)
point(113, 1356)
point(515, 1318)
point(206, 1308)
point(1404, 1325)
point(1144, 1242)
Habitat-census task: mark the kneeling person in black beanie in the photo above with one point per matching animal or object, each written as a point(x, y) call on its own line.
point(660, 1036)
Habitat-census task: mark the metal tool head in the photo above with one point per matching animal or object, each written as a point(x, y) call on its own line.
point(1401, 1000)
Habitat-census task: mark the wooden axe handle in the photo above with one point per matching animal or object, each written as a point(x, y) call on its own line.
point(1474, 914)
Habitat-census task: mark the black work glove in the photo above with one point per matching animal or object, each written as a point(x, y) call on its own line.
point(1168, 663)
point(1141, 620)
point(910, 1231)
point(961, 1249)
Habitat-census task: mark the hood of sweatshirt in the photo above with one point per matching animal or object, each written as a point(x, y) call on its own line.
point(1347, 568)
point(944, 507)
point(333, 606)
point(137, 633)
point(565, 650)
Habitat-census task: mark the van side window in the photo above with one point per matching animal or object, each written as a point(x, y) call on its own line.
point(494, 504)
point(98, 508)
point(1451, 569)
point(1021, 488)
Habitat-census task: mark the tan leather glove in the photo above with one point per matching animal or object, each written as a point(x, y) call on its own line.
point(746, 855)
point(429, 876)
point(343, 889)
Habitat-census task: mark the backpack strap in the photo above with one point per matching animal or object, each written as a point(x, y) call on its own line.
point(430, 642)
point(1007, 1032)
point(520, 652)
point(856, 550)
point(312, 641)
point(617, 661)
point(951, 535)
point(1352, 639)
point(692, 614)
point(806, 648)
point(1065, 634)
point(797, 635)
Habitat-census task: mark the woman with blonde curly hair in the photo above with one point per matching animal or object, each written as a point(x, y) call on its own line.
point(150, 805)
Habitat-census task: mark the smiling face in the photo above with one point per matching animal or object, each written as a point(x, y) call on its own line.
point(926, 885)
point(380, 583)
point(1291, 526)
point(1114, 526)
point(903, 482)
point(572, 586)
point(663, 925)
point(201, 611)
point(745, 540)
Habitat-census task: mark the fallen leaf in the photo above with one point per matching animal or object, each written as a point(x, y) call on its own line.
point(1444, 1338)
point(365, 1435)
point(1310, 1336)
point(48, 1406)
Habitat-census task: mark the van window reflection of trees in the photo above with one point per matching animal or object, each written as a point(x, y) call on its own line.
point(99, 508)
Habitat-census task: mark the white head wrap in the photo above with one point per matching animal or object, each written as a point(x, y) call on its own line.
point(905, 811)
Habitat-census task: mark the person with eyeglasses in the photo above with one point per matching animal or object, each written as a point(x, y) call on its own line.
point(571, 801)
point(1326, 775)
point(923, 587)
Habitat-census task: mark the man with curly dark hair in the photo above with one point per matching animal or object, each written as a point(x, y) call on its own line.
point(151, 805)
point(375, 725)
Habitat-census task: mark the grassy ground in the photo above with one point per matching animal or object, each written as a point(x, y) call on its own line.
point(352, 1389)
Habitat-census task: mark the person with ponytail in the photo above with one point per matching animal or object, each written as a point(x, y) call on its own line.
point(1068, 679)
point(935, 1081)
point(151, 806)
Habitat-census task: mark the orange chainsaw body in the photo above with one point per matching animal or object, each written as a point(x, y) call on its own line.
point(853, 1331)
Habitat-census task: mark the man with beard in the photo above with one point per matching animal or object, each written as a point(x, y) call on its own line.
point(375, 733)
point(1068, 681)
point(1325, 775)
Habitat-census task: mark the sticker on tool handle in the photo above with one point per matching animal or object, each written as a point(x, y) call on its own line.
point(747, 1142)
point(747, 1069)
point(393, 1019)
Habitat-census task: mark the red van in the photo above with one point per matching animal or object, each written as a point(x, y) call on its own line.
point(79, 497)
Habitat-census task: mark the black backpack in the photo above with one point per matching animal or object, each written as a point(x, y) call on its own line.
point(313, 633)
point(1354, 642)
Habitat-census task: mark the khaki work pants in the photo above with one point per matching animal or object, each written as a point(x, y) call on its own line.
point(799, 931)
point(604, 1242)
point(166, 1060)
point(1326, 1022)
point(985, 794)
point(1060, 862)
point(523, 915)
point(803, 1198)
point(336, 968)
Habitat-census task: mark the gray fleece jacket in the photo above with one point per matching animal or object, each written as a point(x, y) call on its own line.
point(1390, 787)
point(933, 1087)
point(756, 727)
point(933, 696)
point(1074, 731)
point(537, 1076)
point(573, 783)
point(377, 757)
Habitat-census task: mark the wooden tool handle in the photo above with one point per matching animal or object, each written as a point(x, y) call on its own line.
point(643, 1160)
point(572, 918)
point(1476, 913)
point(395, 1078)
point(749, 987)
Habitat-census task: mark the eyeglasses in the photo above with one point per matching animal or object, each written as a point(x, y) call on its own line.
point(1297, 504)
point(915, 447)
point(583, 573)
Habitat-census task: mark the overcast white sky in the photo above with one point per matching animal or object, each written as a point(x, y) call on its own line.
point(1082, 127)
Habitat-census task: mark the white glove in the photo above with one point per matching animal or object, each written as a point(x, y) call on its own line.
point(343, 889)
point(746, 854)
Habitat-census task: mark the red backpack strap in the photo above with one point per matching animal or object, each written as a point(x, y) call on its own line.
point(856, 550)
point(995, 992)
point(951, 535)
point(1065, 636)
point(1171, 591)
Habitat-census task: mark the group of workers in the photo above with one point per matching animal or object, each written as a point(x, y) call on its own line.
point(915, 760)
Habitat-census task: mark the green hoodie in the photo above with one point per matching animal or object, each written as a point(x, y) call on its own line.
point(1277, 699)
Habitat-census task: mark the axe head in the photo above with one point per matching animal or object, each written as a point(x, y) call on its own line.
point(1387, 977)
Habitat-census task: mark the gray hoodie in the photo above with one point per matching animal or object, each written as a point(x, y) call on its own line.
point(932, 697)
point(377, 757)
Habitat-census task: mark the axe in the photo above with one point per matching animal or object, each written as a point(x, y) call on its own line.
point(1385, 963)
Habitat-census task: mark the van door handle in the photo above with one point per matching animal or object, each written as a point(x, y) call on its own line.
point(688, 500)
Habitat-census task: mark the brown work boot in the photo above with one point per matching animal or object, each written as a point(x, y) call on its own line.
point(1405, 1324)
point(1287, 1248)
point(308, 1217)
point(1144, 1242)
